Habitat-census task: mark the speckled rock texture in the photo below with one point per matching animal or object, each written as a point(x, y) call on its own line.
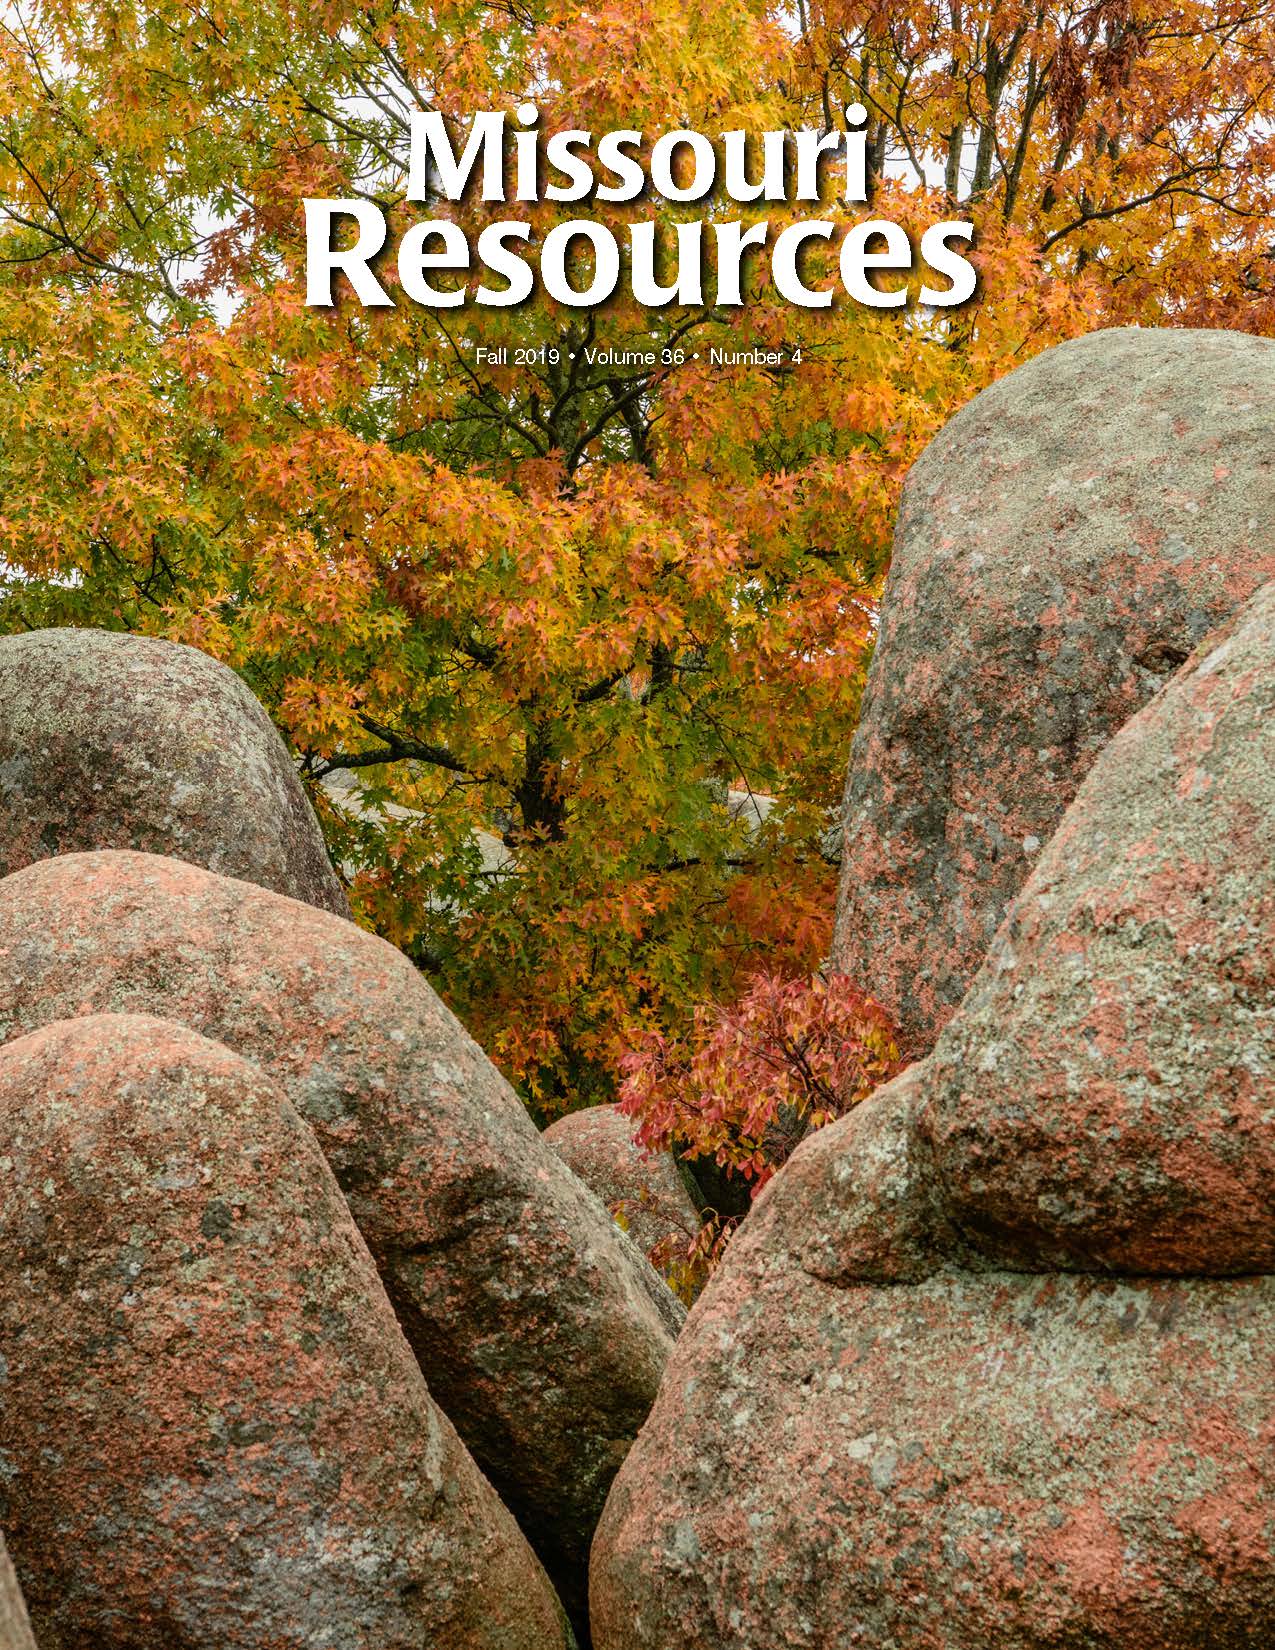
point(1062, 545)
point(889, 1421)
point(1105, 1096)
point(213, 1431)
point(119, 741)
point(970, 1462)
point(643, 1190)
point(540, 1329)
point(15, 1628)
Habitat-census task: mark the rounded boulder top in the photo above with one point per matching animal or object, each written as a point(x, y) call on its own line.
point(1063, 544)
point(214, 1431)
point(643, 1190)
point(110, 740)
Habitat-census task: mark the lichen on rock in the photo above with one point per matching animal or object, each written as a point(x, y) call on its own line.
point(1105, 1097)
point(214, 1432)
point(989, 1363)
point(110, 740)
point(1063, 544)
point(643, 1190)
point(541, 1331)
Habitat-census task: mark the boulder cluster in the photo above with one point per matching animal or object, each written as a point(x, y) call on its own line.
point(308, 1338)
point(990, 1364)
point(310, 1341)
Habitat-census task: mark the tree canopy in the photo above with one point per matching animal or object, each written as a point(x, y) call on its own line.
point(574, 604)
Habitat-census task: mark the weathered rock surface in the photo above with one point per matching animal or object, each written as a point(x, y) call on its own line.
point(119, 741)
point(967, 1462)
point(213, 1430)
point(889, 1421)
point(643, 1190)
point(541, 1331)
point(1105, 1096)
point(15, 1629)
point(1062, 545)
point(864, 1192)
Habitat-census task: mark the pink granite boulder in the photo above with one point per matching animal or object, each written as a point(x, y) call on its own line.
point(117, 741)
point(213, 1431)
point(864, 1193)
point(1062, 545)
point(643, 1190)
point(889, 1421)
point(541, 1331)
point(1104, 1098)
point(961, 1462)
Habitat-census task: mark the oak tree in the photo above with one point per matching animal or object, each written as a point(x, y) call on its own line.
point(542, 630)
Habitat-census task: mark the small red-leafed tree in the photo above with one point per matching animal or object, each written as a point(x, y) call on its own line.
point(744, 1086)
point(750, 1080)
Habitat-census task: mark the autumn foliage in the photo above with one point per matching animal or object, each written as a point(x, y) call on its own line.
point(746, 1082)
point(571, 610)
